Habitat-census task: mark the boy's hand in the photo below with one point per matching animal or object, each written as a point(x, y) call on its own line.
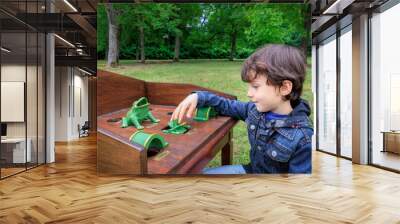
point(187, 106)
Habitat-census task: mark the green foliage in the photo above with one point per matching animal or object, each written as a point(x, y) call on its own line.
point(102, 29)
point(205, 30)
point(277, 23)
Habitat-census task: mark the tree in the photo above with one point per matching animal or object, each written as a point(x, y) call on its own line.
point(175, 31)
point(102, 30)
point(277, 23)
point(149, 21)
point(183, 17)
point(113, 36)
point(229, 21)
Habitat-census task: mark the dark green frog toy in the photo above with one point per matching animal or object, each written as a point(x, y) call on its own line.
point(175, 128)
point(138, 113)
point(205, 114)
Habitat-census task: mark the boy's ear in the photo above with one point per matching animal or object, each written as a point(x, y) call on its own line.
point(286, 87)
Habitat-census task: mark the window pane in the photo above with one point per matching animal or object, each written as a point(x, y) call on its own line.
point(327, 96)
point(385, 85)
point(14, 153)
point(31, 97)
point(346, 94)
point(23, 87)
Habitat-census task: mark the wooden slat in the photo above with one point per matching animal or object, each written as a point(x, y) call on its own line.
point(115, 91)
point(115, 156)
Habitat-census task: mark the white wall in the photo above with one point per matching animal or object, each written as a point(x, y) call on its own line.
point(12, 73)
point(80, 110)
point(61, 103)
point(71, 94)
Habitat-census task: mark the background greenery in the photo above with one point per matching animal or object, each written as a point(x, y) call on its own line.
point(220, 75)
point(205, 30)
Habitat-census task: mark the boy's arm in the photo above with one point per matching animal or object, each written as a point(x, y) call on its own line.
point(301, 159)
point(223, 106)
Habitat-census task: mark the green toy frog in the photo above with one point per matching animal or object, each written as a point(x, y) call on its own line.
point(138, 113)
point(205, 114)
point(176, 128)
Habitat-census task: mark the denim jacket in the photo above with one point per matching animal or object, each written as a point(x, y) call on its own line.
point(278, 145)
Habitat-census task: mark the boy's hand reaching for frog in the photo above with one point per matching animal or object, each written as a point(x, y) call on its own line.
point(187, 106)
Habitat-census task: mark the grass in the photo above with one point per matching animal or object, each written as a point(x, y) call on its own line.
point(220, 75)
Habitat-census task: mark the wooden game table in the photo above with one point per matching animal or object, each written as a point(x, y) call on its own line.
point(188, 153)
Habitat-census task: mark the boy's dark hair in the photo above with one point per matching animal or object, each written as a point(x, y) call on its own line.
point(277, 63)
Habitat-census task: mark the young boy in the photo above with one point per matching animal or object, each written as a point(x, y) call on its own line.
point(279, 129)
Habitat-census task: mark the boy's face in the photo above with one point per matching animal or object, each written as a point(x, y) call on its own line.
point(265, 97)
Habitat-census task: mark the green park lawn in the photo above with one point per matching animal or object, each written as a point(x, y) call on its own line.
point(221, 75)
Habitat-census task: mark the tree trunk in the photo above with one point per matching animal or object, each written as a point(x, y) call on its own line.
point(177, 47)
point(142, 56)
point(113, 37)
point(233, 46)
point(307, 25)
point(137, 49)
point(304, 45)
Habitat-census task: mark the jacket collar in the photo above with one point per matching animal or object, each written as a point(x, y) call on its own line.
point(298, 118)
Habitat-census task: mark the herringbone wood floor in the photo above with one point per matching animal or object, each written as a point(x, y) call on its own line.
point(69, 191)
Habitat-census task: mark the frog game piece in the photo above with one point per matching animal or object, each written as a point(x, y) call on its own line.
point(153, 143)
point(138, 113)
point(205, 113)
point(176, 128)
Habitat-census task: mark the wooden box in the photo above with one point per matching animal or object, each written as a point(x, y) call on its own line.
point(187, 153)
